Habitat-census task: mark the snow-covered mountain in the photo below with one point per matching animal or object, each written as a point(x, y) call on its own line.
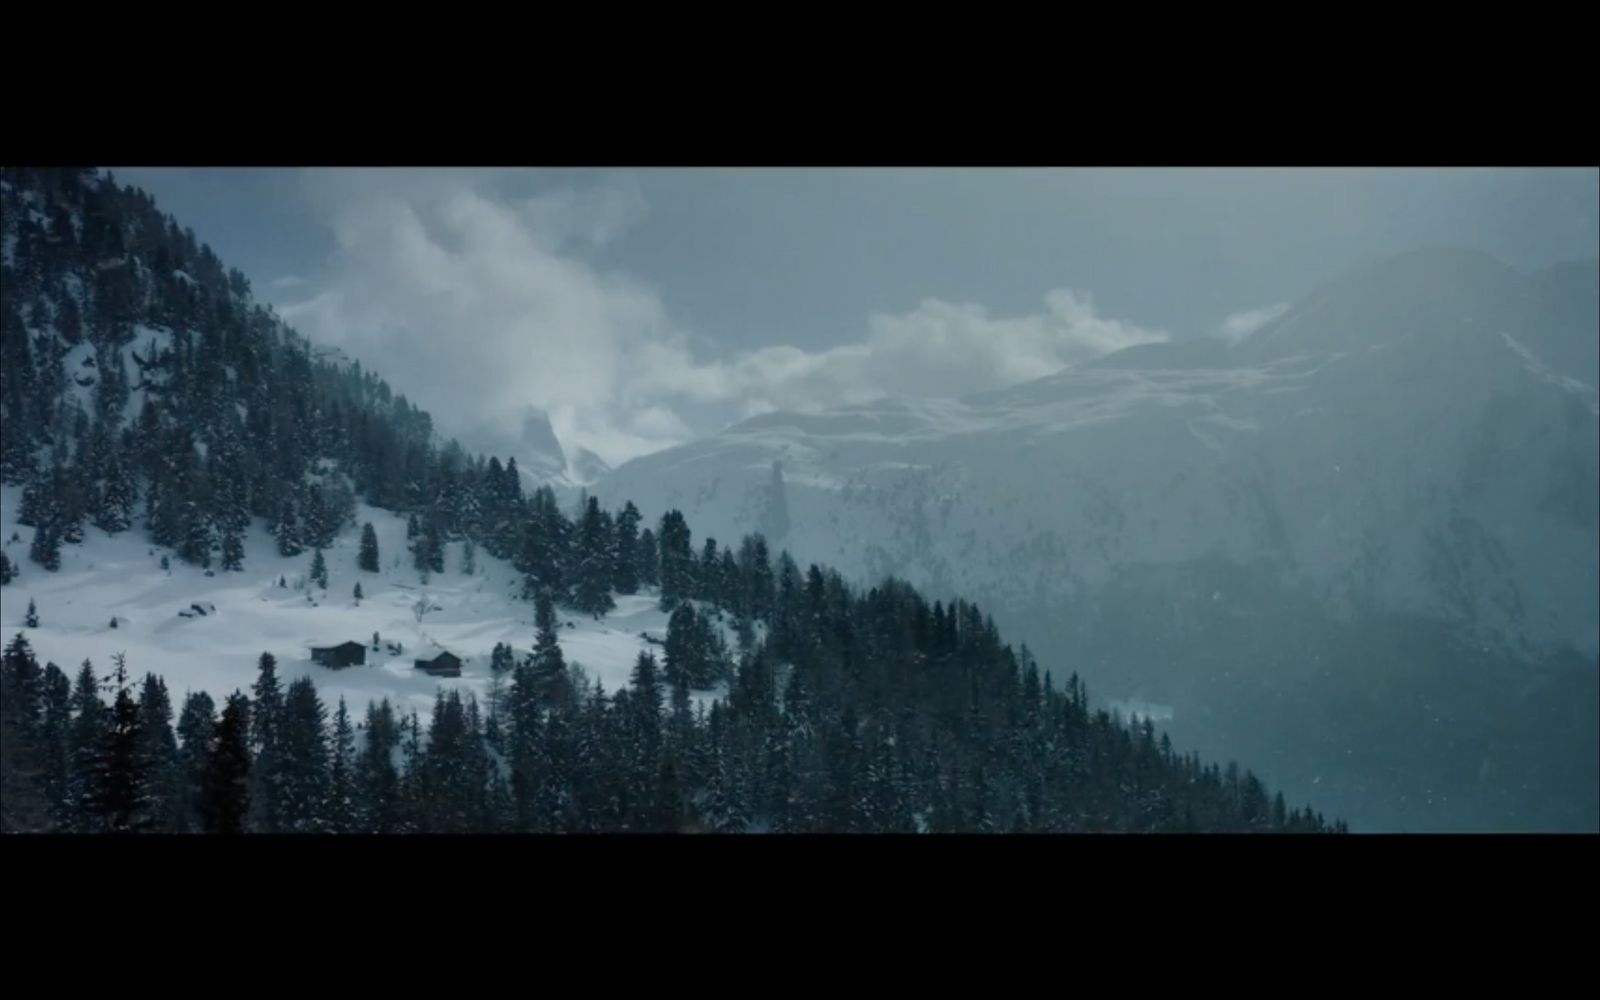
point(1415, 441)
point(541, 459)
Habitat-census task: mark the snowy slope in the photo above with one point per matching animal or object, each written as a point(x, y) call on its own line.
point(121, 576)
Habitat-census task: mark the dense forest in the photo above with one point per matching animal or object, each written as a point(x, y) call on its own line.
point(845, 713)
point(136, 375)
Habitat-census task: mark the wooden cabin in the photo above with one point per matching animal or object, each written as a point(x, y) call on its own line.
point(345, 654)
point(445, 664)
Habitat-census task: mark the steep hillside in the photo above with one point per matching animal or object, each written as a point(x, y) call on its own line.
point(194, 494)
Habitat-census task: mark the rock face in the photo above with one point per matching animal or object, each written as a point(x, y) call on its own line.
point(1385, 499)
point(539, 454)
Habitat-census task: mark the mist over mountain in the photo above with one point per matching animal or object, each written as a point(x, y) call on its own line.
point(192, 491)
point(1363, 534)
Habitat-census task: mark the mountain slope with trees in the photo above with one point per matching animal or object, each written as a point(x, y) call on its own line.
point(143, 390)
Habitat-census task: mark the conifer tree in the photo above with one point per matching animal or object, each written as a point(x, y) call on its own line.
point(593, 572)
point(341, 808)
point(677, 561)
point(625, 564)
point(90, 722)
point(120, 795)
point(368, 559)
point(550, 675)
point(225, 787)
point(649, 561)
point(303, 784)
point(287, 531)
point(266, 716)
point(197, 728)
point(46, 547)
point(378, 790)
point(160, 749)
point(232, 550)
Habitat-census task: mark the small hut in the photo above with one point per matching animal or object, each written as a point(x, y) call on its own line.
point(443, 664)
point(345, 654)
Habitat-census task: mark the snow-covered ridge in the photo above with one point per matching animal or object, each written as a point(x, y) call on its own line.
point(1583, 390)
point(1376, 444)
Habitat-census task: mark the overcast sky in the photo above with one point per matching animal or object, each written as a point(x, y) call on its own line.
point(643, 307)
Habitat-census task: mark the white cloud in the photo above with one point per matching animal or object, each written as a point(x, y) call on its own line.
point(1240, 325)
point(287, 281)
point(476, 305)
point(594, 217)
point(936, 349)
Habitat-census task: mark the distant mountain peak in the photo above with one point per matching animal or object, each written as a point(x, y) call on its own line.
point(539, 441)
point(585, 467)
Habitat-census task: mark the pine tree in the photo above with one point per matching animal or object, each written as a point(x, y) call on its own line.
point(90, 722)
point(31, 619)
point(681, 709)
point(645, 693)
point(232, 550)
point(358, 592)
point(46, 547)
point(677, 561)
point(756, 578)
point(225, 786)
point(411, 812)
point(7, 573)
point(341, 810)
point(545, 550)
point(368, 559)
point(594, 570)
point(266, 715)
point(160, 749)
point(25, 806)
point(549, 666)
point(120, 797)
point(287, 531)
point(453, 772)
point(195, 545)
point(197, 728)
point(685, 651)
point(625, 565)
point(730, 594)
point(53, 746)
point(708, 570)
point(319, 570)
point(649, 561)
point(117, 499)
point(377, 779)
point(427, 551)
point(303, 785)
point(37, 506)
point(667, 811)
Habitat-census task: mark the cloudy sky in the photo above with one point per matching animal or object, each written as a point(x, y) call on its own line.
point(643, 307)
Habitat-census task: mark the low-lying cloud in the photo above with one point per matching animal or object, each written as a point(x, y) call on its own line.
point(1240, 325)
point(477, 305)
